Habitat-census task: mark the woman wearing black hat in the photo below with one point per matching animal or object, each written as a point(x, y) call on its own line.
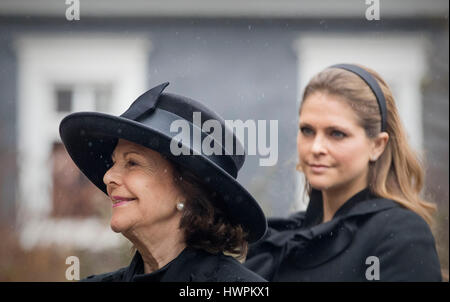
point(181, 212)
point(366, 219)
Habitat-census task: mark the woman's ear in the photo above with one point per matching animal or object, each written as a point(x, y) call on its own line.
point(378, 145)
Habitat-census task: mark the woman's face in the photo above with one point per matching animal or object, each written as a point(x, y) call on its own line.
point(334, 151)
point(142, 191)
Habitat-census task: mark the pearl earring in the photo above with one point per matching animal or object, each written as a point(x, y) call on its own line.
point(180, 206)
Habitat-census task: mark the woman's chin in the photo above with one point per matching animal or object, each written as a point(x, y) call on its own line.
point(118, 226)
point(320, 184)
point(115, 228)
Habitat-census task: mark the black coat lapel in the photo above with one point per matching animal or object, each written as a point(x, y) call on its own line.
point(308, 243)
point(313, 246)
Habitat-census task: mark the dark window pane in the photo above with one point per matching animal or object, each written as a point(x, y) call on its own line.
point(64, 100)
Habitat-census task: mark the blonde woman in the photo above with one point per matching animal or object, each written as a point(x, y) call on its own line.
point(366, 220)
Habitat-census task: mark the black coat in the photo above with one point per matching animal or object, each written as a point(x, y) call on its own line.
point(190, 266)
point(302, 248)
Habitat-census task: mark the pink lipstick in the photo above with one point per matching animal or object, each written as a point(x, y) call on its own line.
point(318, 168)
point(118, 201)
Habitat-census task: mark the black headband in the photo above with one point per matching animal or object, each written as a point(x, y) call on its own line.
point(373, 84)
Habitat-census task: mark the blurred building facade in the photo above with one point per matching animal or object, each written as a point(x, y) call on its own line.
point(245, 59)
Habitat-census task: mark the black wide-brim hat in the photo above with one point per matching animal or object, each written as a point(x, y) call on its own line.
point(90, 139)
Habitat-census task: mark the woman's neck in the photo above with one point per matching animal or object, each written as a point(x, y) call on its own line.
point(157, 249)
point(335, 198)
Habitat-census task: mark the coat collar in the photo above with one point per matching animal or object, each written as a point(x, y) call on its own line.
point(135, 271)
point(304, 232)
point(358, 204)
point(200, 263)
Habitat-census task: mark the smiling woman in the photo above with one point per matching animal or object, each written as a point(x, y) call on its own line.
point(366, 219)
point(140, 185)
point(182, 213)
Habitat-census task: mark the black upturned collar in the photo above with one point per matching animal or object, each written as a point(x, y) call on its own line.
point(135, 271)
point(314, 211)
point(191, 265)
point(302, 230)
point(170, 272)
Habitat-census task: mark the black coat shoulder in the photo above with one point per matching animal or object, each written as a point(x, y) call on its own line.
point(115, 276)
point(405, 246)
point(339, 250)
point(190, 266)
point(222, 268)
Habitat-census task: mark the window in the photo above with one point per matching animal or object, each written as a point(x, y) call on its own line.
point(73, 195)
point(57, 76)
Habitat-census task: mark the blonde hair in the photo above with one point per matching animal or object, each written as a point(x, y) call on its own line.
point(398, 173)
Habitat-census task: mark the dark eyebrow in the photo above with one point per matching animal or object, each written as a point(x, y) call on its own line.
point(339, 128)
point(126, 153)
point(334, 127)
point(304, 124)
